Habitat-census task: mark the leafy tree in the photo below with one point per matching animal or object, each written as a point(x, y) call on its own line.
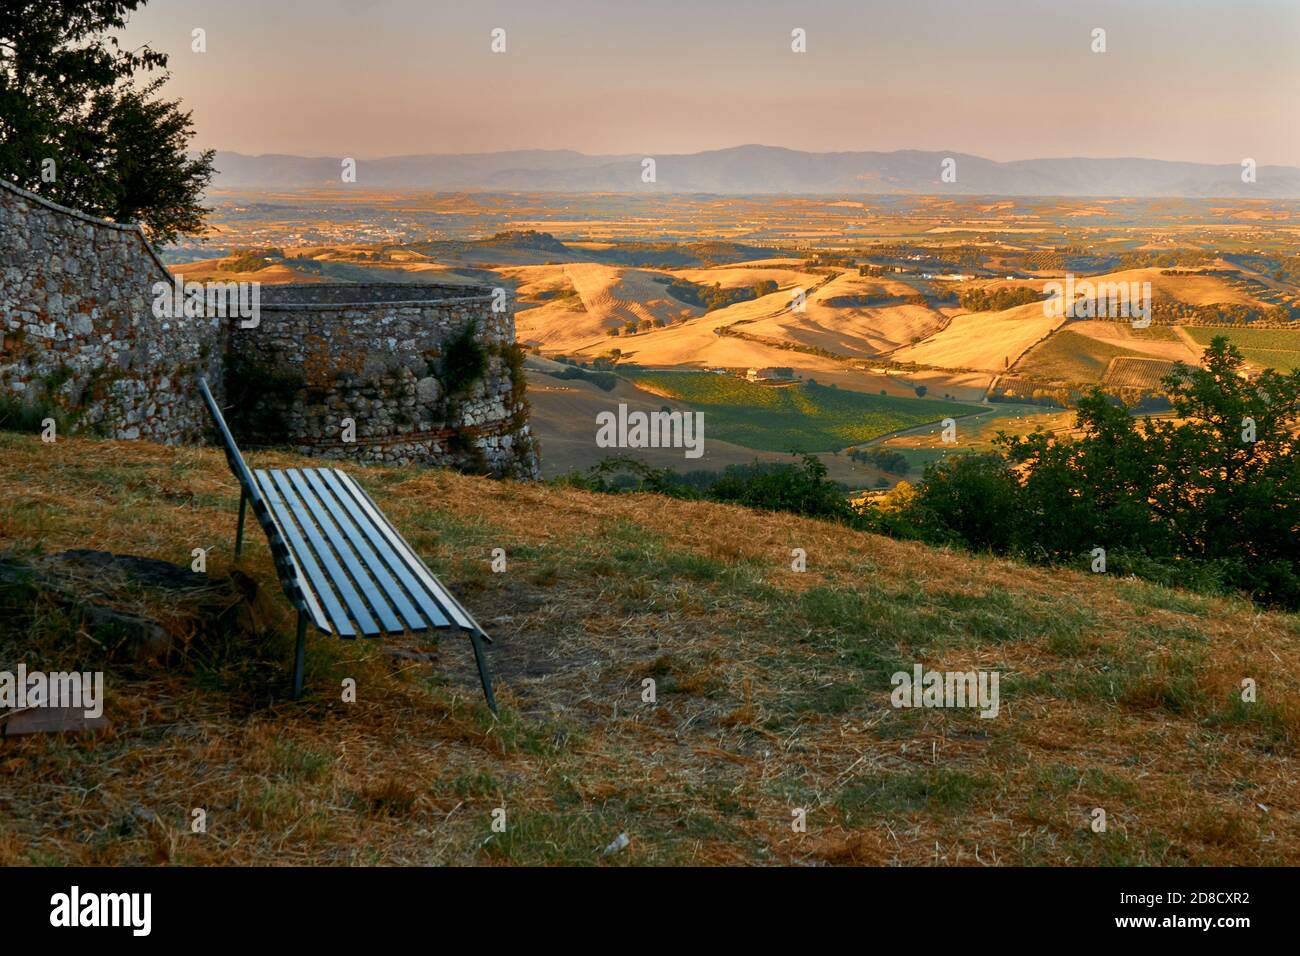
point(968, 499)
point(802, 489)
point(982, 300)
point(69, 93)
point(1210, 494)
point(1224, 496)
point(1094, 491)
point(885, 459)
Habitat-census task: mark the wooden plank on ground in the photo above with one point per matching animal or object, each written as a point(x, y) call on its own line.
point(48, 720)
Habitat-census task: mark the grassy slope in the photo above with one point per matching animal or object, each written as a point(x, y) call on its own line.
point(772, 694)
point(1269, 348)
point(1070, 357)
point(803, 417)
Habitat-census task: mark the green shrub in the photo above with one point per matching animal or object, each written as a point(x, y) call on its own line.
point(970, 500)
point(894, 462)
point(464, 361)
point(982, 300)
point(28, 417)
point(801, 489)
point(605, 381)
point(1184, 500)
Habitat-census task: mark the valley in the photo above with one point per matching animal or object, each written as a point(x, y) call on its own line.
point(819, 325)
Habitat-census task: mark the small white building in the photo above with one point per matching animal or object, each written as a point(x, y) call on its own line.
point(769, 374)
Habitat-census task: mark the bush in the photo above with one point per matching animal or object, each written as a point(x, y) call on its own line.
point(19, 416)
point(713, 297)
point(982, 300)
point(970, 500)
point(1181, 500)
point(801, 489)
point(605, 381)
point(464, 361)
point(894, 462)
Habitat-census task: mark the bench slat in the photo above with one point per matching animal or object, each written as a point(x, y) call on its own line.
point(360, 534)
point(435, 588)
point(356, 606)
point(432, 610)
point(292, 580)
point(319, 583)
point(376, 594)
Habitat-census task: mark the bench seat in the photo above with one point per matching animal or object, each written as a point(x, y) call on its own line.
point(340, 561)
point(363, 577)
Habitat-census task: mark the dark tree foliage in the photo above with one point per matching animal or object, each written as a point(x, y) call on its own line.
point(1210, 495)
point(70, 93)
point(982, 300)
point(894, 462)
point(802, 488)
point(967, 499)
point(715, 296)
point(464, 362)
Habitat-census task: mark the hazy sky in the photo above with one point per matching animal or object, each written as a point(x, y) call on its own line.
point(1006, 79)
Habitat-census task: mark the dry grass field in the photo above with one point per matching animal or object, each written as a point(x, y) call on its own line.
point(1069, 356)
point(772, 695)
point(213, 270)
point(987, 341)
point(616, 296)
point(1156, 341)
point(836, 317)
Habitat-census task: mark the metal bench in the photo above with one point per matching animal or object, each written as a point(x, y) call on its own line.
point(342, 564)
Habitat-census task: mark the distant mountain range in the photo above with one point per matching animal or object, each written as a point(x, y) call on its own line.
point(764, 169)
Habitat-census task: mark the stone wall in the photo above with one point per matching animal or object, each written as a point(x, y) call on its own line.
point(78, 336)
point(387, 372)
point(425, 373)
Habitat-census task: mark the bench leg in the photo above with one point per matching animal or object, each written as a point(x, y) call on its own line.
point(239, 529)
point(299, 655)
point(483, 674)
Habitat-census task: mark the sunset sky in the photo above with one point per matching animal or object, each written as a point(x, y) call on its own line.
point(1016, 79)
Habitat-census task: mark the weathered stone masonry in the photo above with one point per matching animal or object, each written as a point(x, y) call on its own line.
point(79, 333)
point(381, 356)
point(77, 329)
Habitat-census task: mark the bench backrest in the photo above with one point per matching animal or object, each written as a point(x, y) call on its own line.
point(291, 577)
point(233, 458)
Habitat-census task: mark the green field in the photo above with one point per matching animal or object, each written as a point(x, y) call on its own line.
point(803, 417)
point(1070, 357)
point(1270, 348)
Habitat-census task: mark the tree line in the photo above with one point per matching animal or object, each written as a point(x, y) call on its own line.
point(1208, 499)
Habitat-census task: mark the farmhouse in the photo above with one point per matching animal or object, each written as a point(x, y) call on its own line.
point(769, 374)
